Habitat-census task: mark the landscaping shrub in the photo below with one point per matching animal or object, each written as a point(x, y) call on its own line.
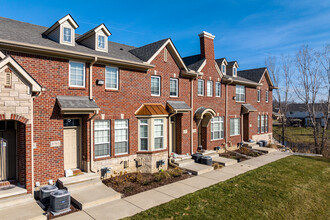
point(162, 175)
point(176, 172)
point(217, 166)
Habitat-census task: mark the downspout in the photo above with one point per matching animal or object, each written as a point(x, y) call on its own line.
point(32, 141)
point(191, 116)
point(91, 119)
point(170, 143)
point(226, 111)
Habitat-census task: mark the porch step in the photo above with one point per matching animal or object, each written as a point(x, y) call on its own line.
point(15, 200)
point(181, 163)
point(92, 193)
point(209, 152)
point(11, 191)
point(223, 160)
point(197, 168)
point(264, 149)
point(66, 181)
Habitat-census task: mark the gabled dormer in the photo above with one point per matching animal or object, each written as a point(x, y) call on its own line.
point(222, 64)
point(63, 31)
point(96, 39)
point(232, 68)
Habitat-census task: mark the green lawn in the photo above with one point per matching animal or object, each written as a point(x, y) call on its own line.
point(291, 188)
point(295, 134)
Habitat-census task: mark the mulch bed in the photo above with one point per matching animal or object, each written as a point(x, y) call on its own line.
point(232, 155)
point(72, 207)
point(133, 183)
point(248, 152)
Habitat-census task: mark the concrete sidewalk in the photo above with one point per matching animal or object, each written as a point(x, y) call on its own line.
point(134, 204)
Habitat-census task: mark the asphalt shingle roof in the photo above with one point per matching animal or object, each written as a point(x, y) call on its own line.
point(179, 105)
point(147, 51)
point(76, 102)
point(22, 32)
point(193, 62)
point(252, 74)
point(238, 78)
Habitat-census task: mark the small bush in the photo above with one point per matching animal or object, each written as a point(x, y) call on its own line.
point(162, 175)
point(176, 172)
point(217, 166)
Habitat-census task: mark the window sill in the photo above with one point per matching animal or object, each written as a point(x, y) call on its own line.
point(236, 135)
point(151, 152)
point(102, 158)
point(121, 155)
point(111, 90)
point(174, 97)
point(217, 139)
point(77, 88)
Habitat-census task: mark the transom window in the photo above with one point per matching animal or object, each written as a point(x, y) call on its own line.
point(217, 89)
point(67, 32)
point(102, 138)
point(101, 42)
point(234, 126)
point(258, 95)
point(111, 78)
point(209, 91)
point(217, 128)
point(266, 96)
point(77, 74)
point(159, 133)
point(155, 85)
point(223, 68)
point(240, 93)
point(71, 122)
point(174, 87)
point(200, 87)
point(121, 137)
point(144, 134)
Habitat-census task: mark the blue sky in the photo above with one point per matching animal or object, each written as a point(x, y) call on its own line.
point(246, 31)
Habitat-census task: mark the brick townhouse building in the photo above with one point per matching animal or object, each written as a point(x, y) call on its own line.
point(70, 101)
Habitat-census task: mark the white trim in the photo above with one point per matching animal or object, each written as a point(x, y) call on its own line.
point(239, 127)
point(163, 134)
point(139, 134)
point(9, 60)
point(222, 120)
point(198, 87)
point(209, 88)
point(84, 75)
point(268, 76)
point(206, 34)
point(2, 55)
point(177, 87)
point(202, 66)
point(108, 129)
point(122, 141)
point(105, 78)
point(70, 19)
point(103, 27)
point(234, 72)
point(240, 93)
point(159, 85)
point(217, 83)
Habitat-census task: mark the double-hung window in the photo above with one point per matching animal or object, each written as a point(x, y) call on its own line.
point(259, 119)
point(102, 138)
point(77, 74)
point(217, 89)
point(144, 134)
point(174, 87)
point(209, 91)
point(121, 137)
point(159, 134)
point(267, 96)
point(101, 42)
point(111, 78)
point(266, 123)
point(262, 123)
point(67, 33)
point(200, 87)
point(234, 126)
point(258, 95)
point(240, 93)
point(234, 71)
point(155, 85)
point(224, 69)
point(217, 128)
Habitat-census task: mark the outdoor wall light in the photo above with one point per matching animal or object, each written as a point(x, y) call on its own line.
point(99, 82)
point(234, 97)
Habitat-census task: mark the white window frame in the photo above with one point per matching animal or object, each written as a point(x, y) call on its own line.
point(223, 69)
point(259, 125)
point(98, 42)
point(220, 121)
point(209, 89)
point(71, 33)
point(266, 123)
point(234, 71)
point(262, 124)
point(127, 128)
point(147, 138)
point(177, 87)
point(217, 89)
point(117, 76)
point(239, 89)
point(267, 96)
point(165, 54)
point(84, 75)
point(236, 130)
point(200, 80)
point(258, 95)
point(159, 83)
point(109, 132)
point(162, 136)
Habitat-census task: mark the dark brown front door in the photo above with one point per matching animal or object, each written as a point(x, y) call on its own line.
point(246, 127)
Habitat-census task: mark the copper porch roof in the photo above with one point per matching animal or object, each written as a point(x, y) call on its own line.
point(151, 109)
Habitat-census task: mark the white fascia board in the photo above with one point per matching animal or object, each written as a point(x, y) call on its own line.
point(104, 28)
point(2, 55)
point(202, 66)
point(69, 19)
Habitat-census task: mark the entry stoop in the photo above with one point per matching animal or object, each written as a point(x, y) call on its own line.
point(264, 149)
point(87, 190)
point(15, 203)
point(197, 168)
point(222, 160)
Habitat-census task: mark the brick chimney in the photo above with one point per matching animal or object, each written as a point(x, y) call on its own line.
point(207, 45)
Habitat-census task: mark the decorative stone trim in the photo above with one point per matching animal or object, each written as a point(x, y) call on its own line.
point(16, 117)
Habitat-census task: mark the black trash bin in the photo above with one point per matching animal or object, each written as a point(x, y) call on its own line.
point(260, 143)
point(196, 157)
point(265, 143)
point(207, 160)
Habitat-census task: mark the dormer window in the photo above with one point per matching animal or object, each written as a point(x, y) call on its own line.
point(67, 36)
point(101, 42)
point(223, 68)
point(234, 71)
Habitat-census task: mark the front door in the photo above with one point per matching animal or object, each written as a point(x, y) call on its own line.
point(71, 147)
point(246, 127)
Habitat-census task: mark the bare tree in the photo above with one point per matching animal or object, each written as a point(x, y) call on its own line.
point(281, 80)
point(307, 86)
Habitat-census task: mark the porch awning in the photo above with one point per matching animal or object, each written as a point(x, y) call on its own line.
point(151, 110)
point(178, 106)
point(76, 105)
point(200, 112)
point(246, 108)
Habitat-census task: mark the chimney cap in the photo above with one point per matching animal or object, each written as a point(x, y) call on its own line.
point(206, 34)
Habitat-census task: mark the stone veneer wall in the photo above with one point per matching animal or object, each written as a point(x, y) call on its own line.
point(267, 137)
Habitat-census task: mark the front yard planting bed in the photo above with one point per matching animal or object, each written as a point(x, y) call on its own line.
point(232, 155)
point(132, 183)
point(248, 152)
point(291, 188)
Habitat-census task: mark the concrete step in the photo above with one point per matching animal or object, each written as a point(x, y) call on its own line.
point(197, 168)
point(92, 195)
point(209, 152)
point(15, 200)
point(81, 185)
point(66, 181)
point(264, 149)
point(11, 191)
point(224, 161)
point(27, 210)
point(184, 162)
